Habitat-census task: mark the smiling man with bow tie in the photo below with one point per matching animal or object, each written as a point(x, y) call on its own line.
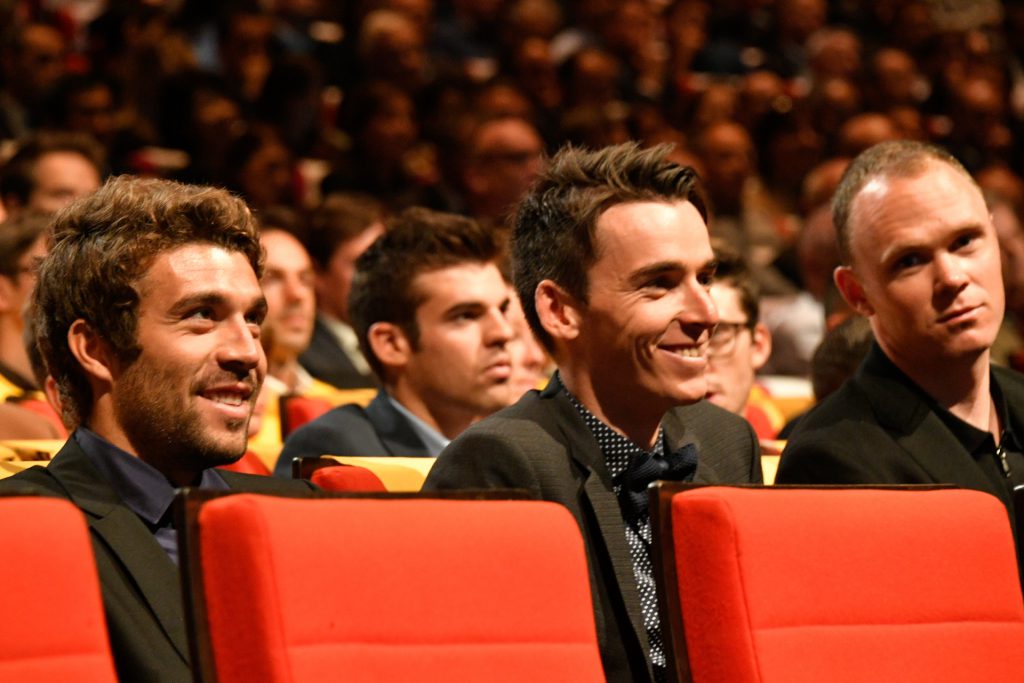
point(612, 263)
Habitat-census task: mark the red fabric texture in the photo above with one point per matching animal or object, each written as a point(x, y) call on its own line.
point(43, 409)
point(53, 631)
point(298, 410)
point(848, 585)
point(347, 478)
point(249, 463)
point(409, 589)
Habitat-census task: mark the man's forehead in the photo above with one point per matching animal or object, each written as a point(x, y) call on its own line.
point(458, 283)
point(197, 266)
point(284, 250)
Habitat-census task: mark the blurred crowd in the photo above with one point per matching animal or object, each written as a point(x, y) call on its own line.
point(454, 105)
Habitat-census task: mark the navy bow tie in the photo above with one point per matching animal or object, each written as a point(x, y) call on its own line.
point(679, 465)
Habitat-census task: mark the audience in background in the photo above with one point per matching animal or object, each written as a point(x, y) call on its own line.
point(415, 102)
point(49, 171)
point(340, 230)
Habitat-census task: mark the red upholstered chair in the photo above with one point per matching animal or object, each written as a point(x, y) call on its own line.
point(249, 463)
point(297, 410)
point(51, 623)
point(347, 478)
point(797, 584)
point(392, 589)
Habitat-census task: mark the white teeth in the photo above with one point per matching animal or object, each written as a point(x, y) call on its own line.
point(688, 352)
point(229, 399)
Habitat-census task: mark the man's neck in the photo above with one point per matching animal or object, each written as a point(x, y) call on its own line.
point(447, 420)
point(614, 408)
point(961, 386)
point(286, 370)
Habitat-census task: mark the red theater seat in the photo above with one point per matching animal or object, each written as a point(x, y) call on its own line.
point(347, 478)
point(799, 585)
point(51, 616)
point(412, 589)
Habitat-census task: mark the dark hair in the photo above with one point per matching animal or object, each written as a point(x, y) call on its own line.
point(339, 218)
point(17, 176)
point(416, 241)
point(840, 354)
point(893, 159)
point(103, 244)
point(733, 271)
point(554, 238)
point(17, 235)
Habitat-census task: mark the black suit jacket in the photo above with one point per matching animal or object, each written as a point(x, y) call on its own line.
point(140, 584)
point(542, 444)
point(879, 428)
point(327, 361)
point(374, 431)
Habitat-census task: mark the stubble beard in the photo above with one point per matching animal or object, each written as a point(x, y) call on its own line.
point(164, 428)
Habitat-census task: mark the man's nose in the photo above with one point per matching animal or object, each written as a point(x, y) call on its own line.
point(240, 347)
point(499, 331)
point(949, 272)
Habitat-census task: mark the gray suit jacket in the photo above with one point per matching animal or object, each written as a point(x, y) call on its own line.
point(140, 584)
point(327, 361)
point(542, 444)
point(377, 430)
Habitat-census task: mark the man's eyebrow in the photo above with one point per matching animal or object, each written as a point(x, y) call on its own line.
point(653, 269)
point(197, 300)
point(464, 306)
point(663, 267)
point(259, 306)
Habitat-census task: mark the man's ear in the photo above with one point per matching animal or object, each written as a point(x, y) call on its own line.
point(760, 346)
point(390, 344)
point(559, 312)
point(91, 352)
point(849, 286)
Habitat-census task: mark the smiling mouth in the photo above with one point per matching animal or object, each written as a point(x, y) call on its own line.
point(227, 398)
point(684, 351)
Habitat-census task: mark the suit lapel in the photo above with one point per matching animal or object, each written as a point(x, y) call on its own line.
point(678, 433)
point(903, 411)
point(597, 492)
point(127, 539)
point(393, 429)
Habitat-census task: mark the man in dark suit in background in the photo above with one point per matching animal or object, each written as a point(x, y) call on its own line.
point(149, 310)
point(612, 263)
point(341, 229)
point(921, 262)
point(429, 306)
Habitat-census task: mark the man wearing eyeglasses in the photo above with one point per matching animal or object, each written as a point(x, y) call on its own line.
point(612, 263)
point(739, 346)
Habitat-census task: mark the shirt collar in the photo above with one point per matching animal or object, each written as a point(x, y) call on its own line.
point(139, 485)
point(434, 441)
point(617, 450)
point(970, 436)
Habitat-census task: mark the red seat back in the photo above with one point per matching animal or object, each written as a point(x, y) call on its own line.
point(298, 410)
point(249, 463)
point(809, 585)
point(347, 478)
point(409, 589)
point(51, 625)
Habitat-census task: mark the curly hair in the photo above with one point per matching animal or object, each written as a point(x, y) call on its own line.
point(103, 244)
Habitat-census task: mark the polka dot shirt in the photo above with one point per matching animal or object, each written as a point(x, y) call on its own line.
point(618, 452)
